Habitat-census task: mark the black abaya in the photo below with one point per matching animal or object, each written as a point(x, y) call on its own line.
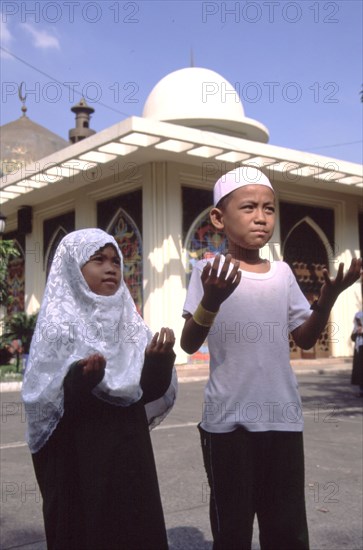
point(98, 478)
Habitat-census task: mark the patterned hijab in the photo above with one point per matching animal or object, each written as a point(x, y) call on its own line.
point(73, 323)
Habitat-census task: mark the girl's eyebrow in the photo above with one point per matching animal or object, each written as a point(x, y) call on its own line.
point(99, 253)
point(103, 255)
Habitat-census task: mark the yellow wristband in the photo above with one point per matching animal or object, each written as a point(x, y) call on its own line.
point(203, 317)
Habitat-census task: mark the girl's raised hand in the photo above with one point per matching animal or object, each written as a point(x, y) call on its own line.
point(93, 368)
point(162, 343)
point(218, 288)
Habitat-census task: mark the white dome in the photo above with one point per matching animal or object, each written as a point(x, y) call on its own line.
point(203, 99)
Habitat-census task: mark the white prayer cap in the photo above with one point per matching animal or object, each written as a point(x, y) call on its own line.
point(239, 177)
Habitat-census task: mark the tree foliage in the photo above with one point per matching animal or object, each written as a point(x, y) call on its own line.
point(20, 326)
point(7, 251)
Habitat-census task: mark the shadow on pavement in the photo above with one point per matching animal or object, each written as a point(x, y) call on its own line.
point(187, 538)
point(332, 392)
point(33, 539)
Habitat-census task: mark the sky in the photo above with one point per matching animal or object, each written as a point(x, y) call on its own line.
point(297, 65)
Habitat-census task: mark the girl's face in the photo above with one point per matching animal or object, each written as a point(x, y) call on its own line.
point(102, 272)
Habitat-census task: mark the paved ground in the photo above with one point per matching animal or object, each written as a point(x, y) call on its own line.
point(301, 366)
point(333, 449)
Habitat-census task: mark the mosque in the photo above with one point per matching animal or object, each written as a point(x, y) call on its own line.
point(148, 181)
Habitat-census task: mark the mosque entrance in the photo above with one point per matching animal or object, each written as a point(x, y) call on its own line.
point(305, 251)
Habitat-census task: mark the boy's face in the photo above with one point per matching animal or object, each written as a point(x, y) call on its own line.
point(102, 272)
point(248, 217)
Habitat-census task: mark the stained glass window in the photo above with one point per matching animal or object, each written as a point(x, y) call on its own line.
point(203, 240)
point(125, 231)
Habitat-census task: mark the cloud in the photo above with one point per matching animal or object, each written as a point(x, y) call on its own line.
point(41, 39)
point(6, 39)
point(6, 36)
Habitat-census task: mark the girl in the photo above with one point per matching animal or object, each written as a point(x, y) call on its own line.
point(96, 378)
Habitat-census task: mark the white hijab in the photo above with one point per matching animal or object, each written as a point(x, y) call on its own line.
point(74, 322)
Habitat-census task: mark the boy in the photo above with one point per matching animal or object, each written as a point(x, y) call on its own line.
point(251, 430)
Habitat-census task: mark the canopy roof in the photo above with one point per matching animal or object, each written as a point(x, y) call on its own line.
point(141, 140)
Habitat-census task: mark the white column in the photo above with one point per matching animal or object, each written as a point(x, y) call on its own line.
point(272, 250)
point(85, 210)
point(34, 271)
point(162, 263)
point(350, 301)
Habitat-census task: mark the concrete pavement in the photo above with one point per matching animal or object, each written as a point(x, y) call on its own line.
point(333, 455)
point(199, 371)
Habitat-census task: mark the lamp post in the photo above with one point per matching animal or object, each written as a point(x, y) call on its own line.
point(2, 224)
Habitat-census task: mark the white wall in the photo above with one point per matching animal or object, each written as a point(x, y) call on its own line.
point(164, 257)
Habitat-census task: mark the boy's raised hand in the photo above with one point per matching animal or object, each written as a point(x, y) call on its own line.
point(333, 287)
point(218, 288)
point(161, 343)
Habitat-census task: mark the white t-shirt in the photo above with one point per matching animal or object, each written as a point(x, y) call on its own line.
point(251, 381)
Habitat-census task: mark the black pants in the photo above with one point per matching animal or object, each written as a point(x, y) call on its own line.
point(357, 371)
point(256, 473)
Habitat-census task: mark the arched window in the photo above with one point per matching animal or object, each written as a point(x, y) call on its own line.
point(123, 228)
point(307, 250)
point(56, 238)
point(203, 240)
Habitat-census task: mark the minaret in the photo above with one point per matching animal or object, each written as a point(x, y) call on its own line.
point(82, 129)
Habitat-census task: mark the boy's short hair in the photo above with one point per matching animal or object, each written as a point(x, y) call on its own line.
point(239, 177)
